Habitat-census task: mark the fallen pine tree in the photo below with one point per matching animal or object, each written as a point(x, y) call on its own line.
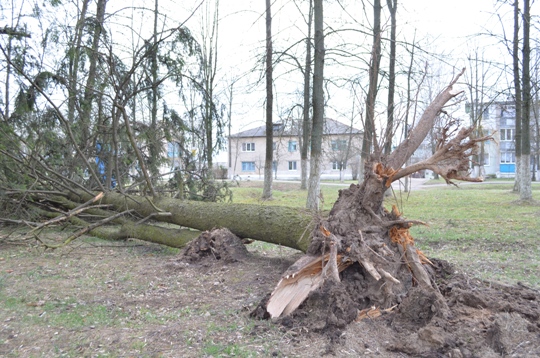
point(285, 226)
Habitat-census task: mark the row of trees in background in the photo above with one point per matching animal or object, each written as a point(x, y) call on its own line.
point(483, 88)
point(92, 98)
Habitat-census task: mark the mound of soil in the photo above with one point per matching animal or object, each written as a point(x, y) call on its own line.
point(218, 244)
point(486, 319)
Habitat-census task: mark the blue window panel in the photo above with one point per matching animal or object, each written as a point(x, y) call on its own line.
point(293, 146)
point(248, 166)
point(508, 168)
point(171, 150)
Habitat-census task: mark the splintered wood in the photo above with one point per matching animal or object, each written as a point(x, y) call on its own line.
point(304, 276)
point(402, 236)
point(385, 173)
point(372, 312)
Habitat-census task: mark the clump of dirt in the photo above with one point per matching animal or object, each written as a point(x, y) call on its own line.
point(219, 244)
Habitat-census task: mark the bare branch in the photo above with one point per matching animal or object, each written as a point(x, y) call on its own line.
point(67, 215)
point(451, 158)
point(14, 32)
point(405, 150)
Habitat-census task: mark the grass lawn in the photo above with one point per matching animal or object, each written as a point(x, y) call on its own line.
point(481, 227)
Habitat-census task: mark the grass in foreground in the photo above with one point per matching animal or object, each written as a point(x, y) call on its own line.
point(481, 228)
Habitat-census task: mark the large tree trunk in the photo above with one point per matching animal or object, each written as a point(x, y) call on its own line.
point(278, 225)
point(525, 191)
point(517, 94)
point(306, 121)
point(89, 92)
point(368, 140)
point(390, 130)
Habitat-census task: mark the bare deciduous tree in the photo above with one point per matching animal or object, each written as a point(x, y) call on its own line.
point(267, 190)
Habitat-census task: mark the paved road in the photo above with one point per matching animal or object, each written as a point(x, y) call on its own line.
point(420, 183)
point(414, 183)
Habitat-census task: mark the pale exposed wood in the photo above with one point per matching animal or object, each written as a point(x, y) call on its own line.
point(387, 276)
point(420, 274)
point(331, 268)
point(370, 268)
point(304, 276)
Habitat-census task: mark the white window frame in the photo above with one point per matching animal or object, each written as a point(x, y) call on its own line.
point(248, 147)
point(506, 132)
point(487, 159)
point(292, 165)
point(508, 158)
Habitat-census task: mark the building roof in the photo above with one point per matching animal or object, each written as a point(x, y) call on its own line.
point(331, 126)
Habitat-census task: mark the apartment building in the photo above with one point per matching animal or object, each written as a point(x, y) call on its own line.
point(341, 148)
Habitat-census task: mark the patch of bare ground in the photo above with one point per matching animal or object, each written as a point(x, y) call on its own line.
point(135, 299)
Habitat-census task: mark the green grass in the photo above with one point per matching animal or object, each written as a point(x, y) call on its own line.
point(481, 228)
point(287, 194)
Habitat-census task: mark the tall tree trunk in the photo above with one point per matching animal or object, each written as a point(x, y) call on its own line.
point(306, 122)
point(525, 191)
point(313, 198)
point(269, 157)
point(392, 6)
point(409, 105)
point(89, 92)
point(74, 61)
point(517, 94)
point(369, 125)
point(210, 68)
point(154, 142)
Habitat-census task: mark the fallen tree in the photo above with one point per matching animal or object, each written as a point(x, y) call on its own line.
point(362, 255)
point(278, 225)
point(359, 237)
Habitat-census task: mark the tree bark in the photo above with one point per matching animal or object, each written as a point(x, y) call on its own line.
point(123, 227)
point(306, 122)
point(278, 225)
point(525, 192)
point(517, 94)
point(313, 198)
point(269, 157)
point(369, 121)
point(392, 6)
point(89, 92)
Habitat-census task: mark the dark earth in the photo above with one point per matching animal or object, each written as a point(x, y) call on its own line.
point(486, 319)
point(134, 299)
